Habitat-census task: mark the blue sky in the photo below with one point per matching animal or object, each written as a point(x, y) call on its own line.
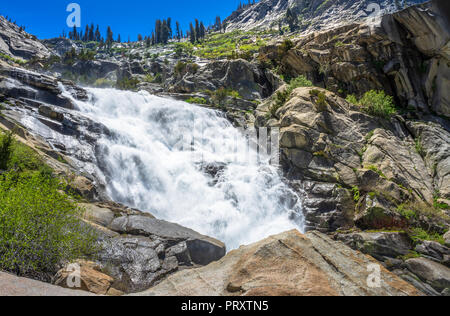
point(47, 18)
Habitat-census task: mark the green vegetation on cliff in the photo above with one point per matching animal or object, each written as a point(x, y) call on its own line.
point(375, 103)
point(40, 227)
point(282, 97)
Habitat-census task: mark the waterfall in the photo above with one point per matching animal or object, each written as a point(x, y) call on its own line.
point(238, 200)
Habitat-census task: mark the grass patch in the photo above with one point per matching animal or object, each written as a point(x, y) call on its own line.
point(232, 45)
point(12, 59)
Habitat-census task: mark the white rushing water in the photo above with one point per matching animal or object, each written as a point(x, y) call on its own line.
point(144, 166)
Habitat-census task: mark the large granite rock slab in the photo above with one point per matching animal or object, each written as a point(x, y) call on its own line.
point(286, 264)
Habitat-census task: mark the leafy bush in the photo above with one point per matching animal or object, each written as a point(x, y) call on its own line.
point(219, 97)
point(180, 68)
point(300, 81)
point(285, 47)
point(375, 103)
point(40, 228)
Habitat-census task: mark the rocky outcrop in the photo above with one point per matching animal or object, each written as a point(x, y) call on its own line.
point(434, 251)
point(90, 71)
point(17, 43)
point(313, 15)
point(380, 245)
point(139, 251)
point(286, 264)
point(354, 168)
point(26, 85)
point(434, 274)
point(433, 137)
point(404, 54)
point(240, 75)
point(91, 279)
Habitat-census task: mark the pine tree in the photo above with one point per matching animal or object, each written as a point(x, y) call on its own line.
point(97, 35)
point(218, 24)
point(192, 33)
point(178, 31)
point(202, 30)
point(291, 19)
point(158, 25)
point(86, 34)
point(91, 33)
point(75, 33)
point(109, 37)
point(164, 32)
point(169, 27)
point(197, 30)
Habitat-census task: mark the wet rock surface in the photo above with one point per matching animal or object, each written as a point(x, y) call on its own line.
point(139, 251)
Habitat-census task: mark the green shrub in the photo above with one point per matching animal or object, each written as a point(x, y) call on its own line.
point(196, 100)
point(406, 212)
point(6, 142)
point(375, 103)
point(219, 96)
point(375, 169)
point(12, 59)
point(180, 68)
point(300, 81)
point(40, 228)
point(86, 55)
point(352, 99)
point(356, 194)
point(285, 47)
point(322, 101)
point(281, 97)
point(158, 78)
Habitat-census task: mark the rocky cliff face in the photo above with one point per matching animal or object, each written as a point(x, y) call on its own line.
point(313, 14)
point(404, 54)
point(17, 43)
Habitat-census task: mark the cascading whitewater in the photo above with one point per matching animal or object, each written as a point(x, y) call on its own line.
point(143, 165)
